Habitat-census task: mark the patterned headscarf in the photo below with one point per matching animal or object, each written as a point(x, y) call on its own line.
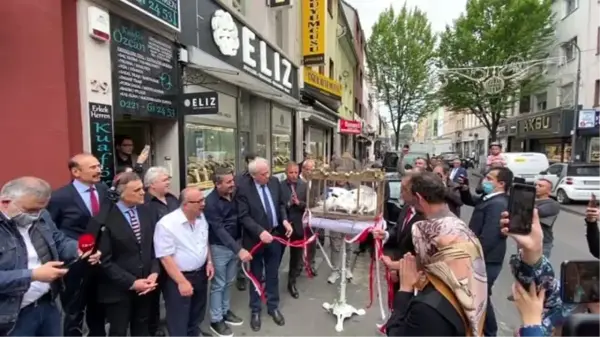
point(449, 250)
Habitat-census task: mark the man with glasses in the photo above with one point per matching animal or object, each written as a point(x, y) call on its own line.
point(127, 159)
point(181, 244)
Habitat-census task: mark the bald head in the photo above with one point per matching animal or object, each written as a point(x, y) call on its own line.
point(85, 168)
point(192, 202)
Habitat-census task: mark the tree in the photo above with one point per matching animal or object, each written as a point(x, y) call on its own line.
point(399, 55)
point(494, 33)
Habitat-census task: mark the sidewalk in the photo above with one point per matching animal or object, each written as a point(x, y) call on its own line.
point(577, 209)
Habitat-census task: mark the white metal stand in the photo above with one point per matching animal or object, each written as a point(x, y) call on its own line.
point(339, 308)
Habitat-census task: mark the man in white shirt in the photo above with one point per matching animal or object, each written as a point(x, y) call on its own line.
point(181, 244)
point(32, 249)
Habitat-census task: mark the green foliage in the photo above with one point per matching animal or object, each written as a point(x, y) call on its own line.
point(399, 55)
point(494, 33)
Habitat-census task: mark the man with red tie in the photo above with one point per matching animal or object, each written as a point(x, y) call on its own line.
point(399, 237)
point(71, 208)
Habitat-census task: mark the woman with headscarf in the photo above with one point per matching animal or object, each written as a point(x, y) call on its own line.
point(447, 294)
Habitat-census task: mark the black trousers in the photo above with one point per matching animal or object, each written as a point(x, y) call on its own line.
point(185, 314)
point(130, 313)
point(78, 299)
point(296, 264)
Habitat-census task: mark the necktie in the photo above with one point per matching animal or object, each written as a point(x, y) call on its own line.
point(293, 188)
point(94, 203)
point(135, 224)
point(268, 208)
point(408, 216)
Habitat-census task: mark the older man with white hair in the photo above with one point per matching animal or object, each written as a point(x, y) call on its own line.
point(262, 212)
point(160, 202)
point(31, 260)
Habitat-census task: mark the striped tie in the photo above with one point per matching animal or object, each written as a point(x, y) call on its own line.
point(135, 224)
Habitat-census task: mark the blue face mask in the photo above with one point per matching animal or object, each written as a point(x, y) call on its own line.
point(487, 187)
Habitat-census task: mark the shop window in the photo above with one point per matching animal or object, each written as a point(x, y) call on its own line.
point(566, 95)
point(206, 148)
point(597, 93)
point(317, 144)
point(331, 69)
point(525, 105)
point(569, 49)
point(281, 140)
point(555, 152)
point(322, 70)
point(594, 150)
point(260, 111)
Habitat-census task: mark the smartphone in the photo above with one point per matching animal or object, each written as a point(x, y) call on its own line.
point(520, 208)
point(146, 148)
point(579, 281)
point(593, 201)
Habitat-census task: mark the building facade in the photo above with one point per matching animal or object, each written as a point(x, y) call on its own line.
point(43, 117)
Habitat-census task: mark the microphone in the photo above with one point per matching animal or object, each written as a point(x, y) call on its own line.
point(86, 243)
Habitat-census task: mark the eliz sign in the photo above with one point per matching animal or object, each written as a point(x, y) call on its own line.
point(259, 59)
point(201, 103)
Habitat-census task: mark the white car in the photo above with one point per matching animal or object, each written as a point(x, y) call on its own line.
point(573, 181)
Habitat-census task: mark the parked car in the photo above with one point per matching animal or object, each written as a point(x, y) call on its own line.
point(449, 157)
point(526, 165)
point(390, 159)
point(573, 181)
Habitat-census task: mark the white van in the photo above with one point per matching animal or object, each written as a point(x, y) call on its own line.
point(526, 165)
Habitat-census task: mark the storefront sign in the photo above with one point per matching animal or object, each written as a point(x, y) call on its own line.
point(588, 119)
point(350, 127)
point(201, 103)
point(279, 3)
point(314, 30)
point(322, 83)
point(258, 58)
point(536, 123)
point(165, 11)
point(145, 73)
point(101, 138)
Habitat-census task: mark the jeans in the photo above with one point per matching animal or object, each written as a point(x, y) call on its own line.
point(41, 319)
point(266, 259)
point(490, 327)
point(184, 314)
point(225, 263)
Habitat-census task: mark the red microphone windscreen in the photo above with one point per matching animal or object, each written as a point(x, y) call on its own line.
point(86, 242)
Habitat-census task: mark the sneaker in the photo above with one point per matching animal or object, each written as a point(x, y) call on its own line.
point(221, 329)
point(231, 319)
point(333, 277)
point(349, 275)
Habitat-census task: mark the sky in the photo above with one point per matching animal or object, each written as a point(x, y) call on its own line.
point(439, 12)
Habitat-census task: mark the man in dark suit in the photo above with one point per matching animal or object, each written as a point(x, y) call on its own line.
point(294, 190)
point(240, 284)
point(457, 171)
point(484, 223)
point(262, 212)
point(71, 208)
point(129, 267)
point(399, 237)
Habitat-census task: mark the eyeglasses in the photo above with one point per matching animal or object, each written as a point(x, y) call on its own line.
point(195, 201)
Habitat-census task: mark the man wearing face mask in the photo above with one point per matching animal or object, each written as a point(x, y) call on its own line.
point(71, 207)
point(32, 259)
point(484, 223)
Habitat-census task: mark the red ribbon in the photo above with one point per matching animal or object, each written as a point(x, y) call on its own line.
point(293, 244)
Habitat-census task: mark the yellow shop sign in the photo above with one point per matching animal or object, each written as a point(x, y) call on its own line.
point(323, 83)
point(314, 15)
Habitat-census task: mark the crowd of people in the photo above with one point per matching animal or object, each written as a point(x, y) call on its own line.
point(189, 248)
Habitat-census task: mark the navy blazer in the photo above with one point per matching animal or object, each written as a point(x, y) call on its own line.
point(461, 172)
point(252, 214)
point(69, 212)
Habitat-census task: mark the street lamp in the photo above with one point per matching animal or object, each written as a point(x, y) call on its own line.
point(576, 100)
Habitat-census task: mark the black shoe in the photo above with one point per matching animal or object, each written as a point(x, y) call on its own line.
point(232, 319)
point(221, 329)
point(255, 322)
point(292, 289)
point(313, 271)
point(241, 284)
point(277, 317)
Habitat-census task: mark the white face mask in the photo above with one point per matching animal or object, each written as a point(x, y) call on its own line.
point(24, 219)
